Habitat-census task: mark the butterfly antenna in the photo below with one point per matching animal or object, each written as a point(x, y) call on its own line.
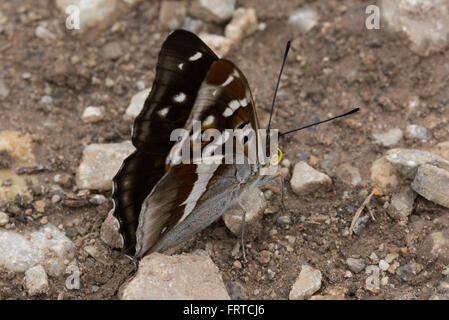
point(320, 122)
point(287, 48)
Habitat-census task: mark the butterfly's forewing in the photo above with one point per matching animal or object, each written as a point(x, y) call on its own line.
point(183, 63)
point(189, 197)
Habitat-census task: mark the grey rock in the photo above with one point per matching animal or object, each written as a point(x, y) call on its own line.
point(306, 284)
point(372, 282)
point(242, 25)
point(218, 11)
point(43, 33)
point(36, 281)
point(304, 19)
point(306, 180)
point(407, 272)
point(255, 204)
point(442, 149)
point(407, 161)
point(349, 174)
point(401, 205)
point(99, 164)
point(432, 183)
point(109, 231)
point(54, 248)
point(172, 14)
point(355, 265)
point(136, 105)
point(360, 224)
point(423, 21)
point(389, 138)
point(236, 290)
point(98, 199)
point(414, 131)
point(16, 252)
point(177, 277)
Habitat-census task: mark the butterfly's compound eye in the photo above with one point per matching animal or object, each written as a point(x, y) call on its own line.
point(276, 158)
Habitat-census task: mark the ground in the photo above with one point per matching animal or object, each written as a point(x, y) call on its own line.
point(335, 67)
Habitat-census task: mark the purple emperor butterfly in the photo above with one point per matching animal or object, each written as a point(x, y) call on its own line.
point(158, 201)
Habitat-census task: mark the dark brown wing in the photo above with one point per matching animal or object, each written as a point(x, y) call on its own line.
point(184, 61)
point(191, 196)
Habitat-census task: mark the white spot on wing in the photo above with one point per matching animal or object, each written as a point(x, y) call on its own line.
point(228, 112)
point(209, 120)
point(180, 66)
point(196, 56)
point(163, 112)
point(228, 81)
point(180, 97)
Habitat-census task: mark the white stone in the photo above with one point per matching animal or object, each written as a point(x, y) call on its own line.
point(177, 277)
point(218, 11)
point(93, 114)
point(306, 180)
point(304, 19)
point(16, 252)
point(307, 283)
point(255, 204)
point(219, 44)
point(44, 34)
point(389, 138)
point(423, 21)
point(92, 13)
point(109, 231)
point(243, 24)
point(100, 163)
point(432, 183)
point(136, 105)
point(36, 281)
point(383, 265)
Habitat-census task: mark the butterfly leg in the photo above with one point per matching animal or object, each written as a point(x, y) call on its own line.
point(243, 229)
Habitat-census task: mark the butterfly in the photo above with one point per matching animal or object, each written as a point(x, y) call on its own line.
point(160, 201)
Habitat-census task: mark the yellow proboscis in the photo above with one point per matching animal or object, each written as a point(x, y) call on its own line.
point(276, 159)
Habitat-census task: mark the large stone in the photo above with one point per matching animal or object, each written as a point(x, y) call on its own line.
point(307, 283)
point(384, 175)
point(243, 24)
point(136, 105)
point(433, 184)
point(178, 277)
point(407, 161)
point(255, 204)
point(100, 163)
point(172, 14)
point(423, 21)
point(306, 180)
point(402, 204)
point(36, 281)
point(92, 13)
point(16, 252)
point(355, 265)
point(218, 11)
point(54, 248)
point(93, 114)
point(219, 44)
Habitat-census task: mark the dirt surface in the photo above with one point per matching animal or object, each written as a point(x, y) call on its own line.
point(317, 83)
